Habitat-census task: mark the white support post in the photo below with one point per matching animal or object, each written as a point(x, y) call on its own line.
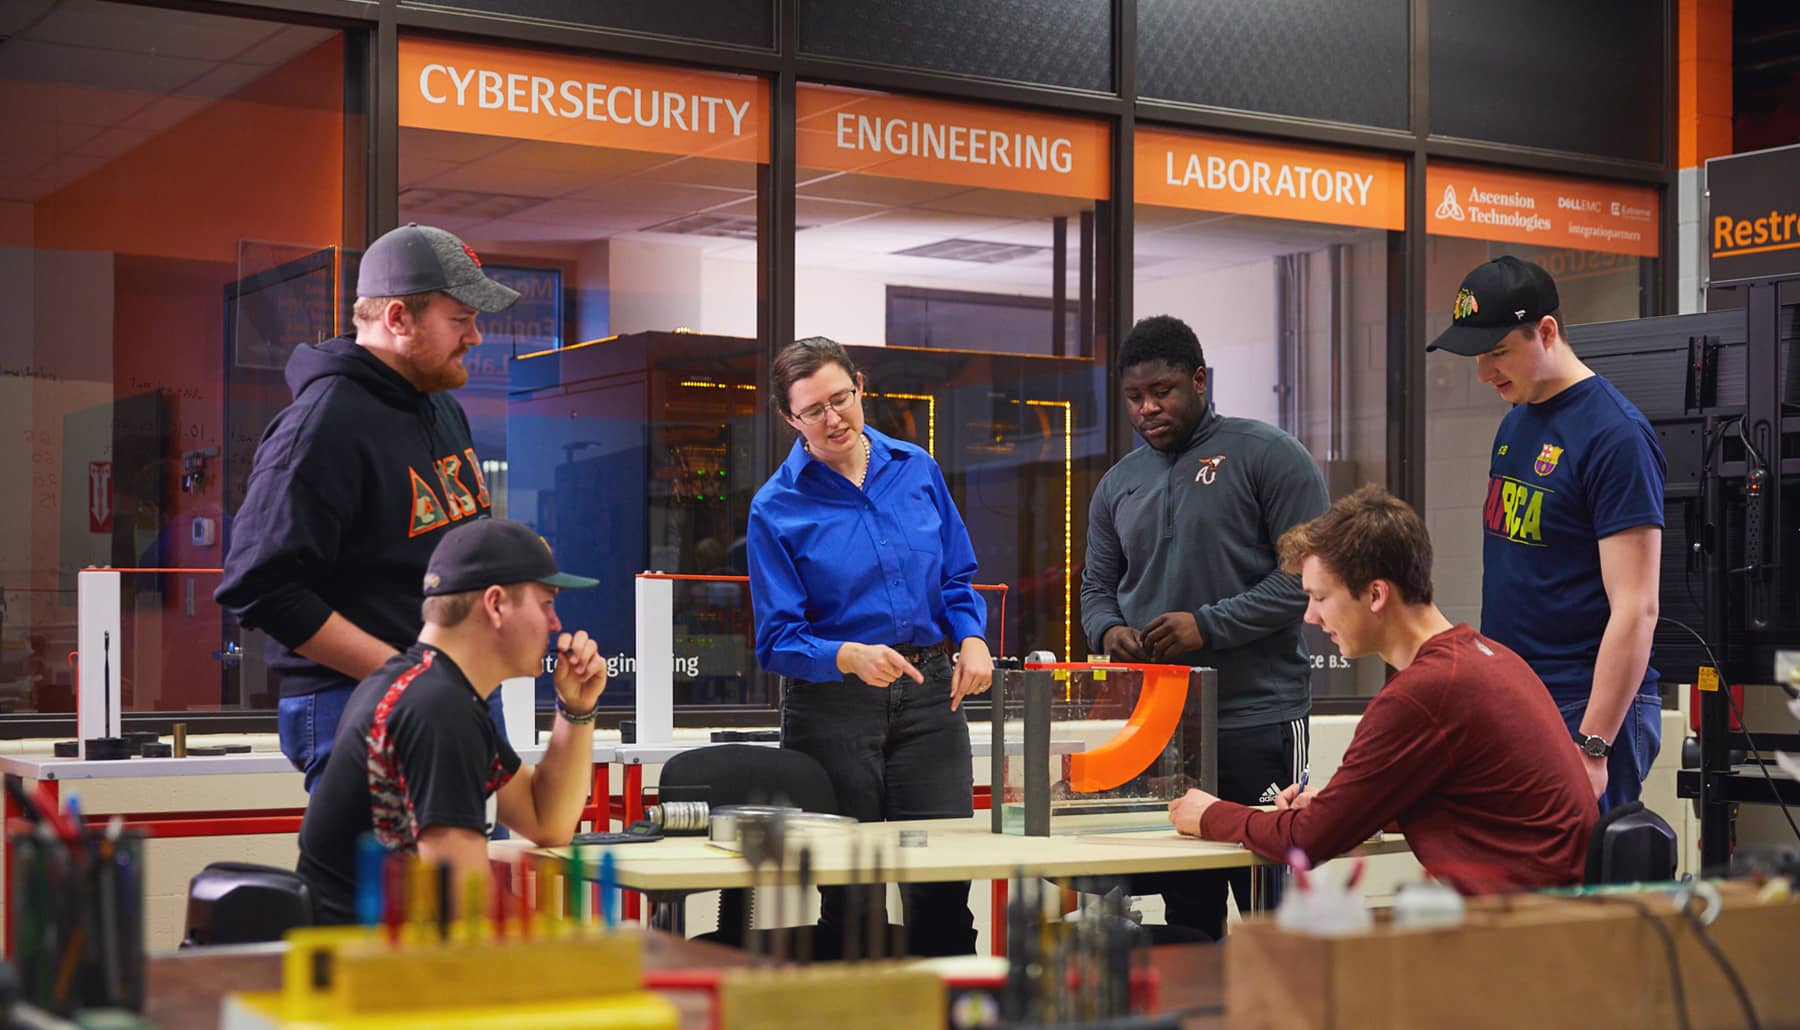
point(99, 648)
point(518, 703)
point(655, 660)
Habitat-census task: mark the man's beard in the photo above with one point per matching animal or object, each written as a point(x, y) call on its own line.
point(451, 375)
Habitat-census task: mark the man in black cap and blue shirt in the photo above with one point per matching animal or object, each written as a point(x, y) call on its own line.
point(1572, 557)
point(417, 757)
point(355, 481)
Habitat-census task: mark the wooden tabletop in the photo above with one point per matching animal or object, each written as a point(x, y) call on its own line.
point(186, 987)
point(954, 849)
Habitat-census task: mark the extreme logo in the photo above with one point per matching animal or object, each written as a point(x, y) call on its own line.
point(1515, 511)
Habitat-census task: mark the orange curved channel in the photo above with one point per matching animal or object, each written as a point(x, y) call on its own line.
point(1140, 743)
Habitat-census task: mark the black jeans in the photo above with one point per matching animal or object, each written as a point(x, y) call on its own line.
point(893, 753)
point(1255, 764)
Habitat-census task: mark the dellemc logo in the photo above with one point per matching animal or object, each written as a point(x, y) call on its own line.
point(1448, 207)
point(1515, 511)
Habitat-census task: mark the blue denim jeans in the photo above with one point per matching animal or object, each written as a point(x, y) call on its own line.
point(892, 753)
point(1635, 748)
point(308, 724)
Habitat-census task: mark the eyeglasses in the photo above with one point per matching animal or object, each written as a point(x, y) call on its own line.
point(839, 402)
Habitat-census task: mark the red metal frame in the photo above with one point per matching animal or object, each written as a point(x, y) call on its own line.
point(244, 822)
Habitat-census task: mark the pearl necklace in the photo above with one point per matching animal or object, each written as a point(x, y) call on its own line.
point(861, 478)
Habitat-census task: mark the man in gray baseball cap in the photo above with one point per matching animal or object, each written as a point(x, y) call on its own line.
point(416, 259)
point(355, 481)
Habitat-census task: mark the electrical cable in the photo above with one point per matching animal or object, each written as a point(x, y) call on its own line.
point(1725, 686)
point(1718, 956)
point(1677, 988)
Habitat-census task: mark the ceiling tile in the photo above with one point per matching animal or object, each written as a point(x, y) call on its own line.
point(165, 113)
point(702, 171)
point(458, 147)
point(419, 171)
point(150, 30)
point(224, 80)
point(1007, 204)
point(107, 69)
point(69, 169)
point(61, 102)
point(26, 188)
point(287, 43)
point(872, 188)
point(17, 15)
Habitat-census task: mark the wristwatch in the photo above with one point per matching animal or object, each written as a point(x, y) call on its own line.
point(1593, 746)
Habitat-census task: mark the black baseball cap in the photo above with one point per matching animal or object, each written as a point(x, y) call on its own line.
point(420, 259)
point(494, 552)
point(1495, 299)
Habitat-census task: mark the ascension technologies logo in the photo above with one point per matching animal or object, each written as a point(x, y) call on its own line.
point(1448, 208)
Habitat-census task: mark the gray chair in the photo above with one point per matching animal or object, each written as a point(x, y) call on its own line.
point(1631, 844)
point(244, 903)
point(745, 774)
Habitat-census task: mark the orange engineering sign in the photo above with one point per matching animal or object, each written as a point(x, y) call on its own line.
point(898, 137)
point(1517, 207)
point(523, 94)
point(1217, 173)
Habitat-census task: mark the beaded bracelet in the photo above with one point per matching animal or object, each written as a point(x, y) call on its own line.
point(576, 718)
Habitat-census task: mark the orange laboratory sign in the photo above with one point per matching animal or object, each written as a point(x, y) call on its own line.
point(846, 130)
point(1515, 207)
point(1216, 173)
point(517, 94)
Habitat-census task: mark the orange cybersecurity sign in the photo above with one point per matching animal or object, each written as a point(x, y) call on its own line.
point(896, 137)
point(1515, 207)
point(1307, 184)
point(520, 94)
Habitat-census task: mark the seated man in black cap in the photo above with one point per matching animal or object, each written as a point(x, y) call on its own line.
point(416, 756)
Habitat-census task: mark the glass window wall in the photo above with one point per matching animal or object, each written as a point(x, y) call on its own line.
point(613, 407)
point(1278, 257)
point(1599, 242)
point(172, 206)
point(956, 250)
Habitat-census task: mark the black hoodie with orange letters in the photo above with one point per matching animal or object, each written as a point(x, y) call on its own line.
point(350, 489)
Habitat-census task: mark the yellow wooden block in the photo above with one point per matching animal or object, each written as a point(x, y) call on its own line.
point(868, 996)
point(341, 972)
point(639, 1010)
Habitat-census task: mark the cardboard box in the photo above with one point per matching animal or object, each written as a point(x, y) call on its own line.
point(1522, 960)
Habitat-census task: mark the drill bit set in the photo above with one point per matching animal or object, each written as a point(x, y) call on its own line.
point(1089, 971)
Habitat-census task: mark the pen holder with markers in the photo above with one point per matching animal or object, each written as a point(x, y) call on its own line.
point(78, 919)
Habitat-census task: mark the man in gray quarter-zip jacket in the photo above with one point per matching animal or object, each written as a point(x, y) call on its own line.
point(1182, 570)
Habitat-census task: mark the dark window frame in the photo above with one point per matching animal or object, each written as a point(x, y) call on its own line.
point(371, 28)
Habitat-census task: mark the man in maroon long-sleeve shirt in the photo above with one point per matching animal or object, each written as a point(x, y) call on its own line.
point(1462, 748)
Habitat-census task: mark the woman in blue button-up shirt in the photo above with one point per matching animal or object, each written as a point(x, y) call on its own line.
point(861, 576)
